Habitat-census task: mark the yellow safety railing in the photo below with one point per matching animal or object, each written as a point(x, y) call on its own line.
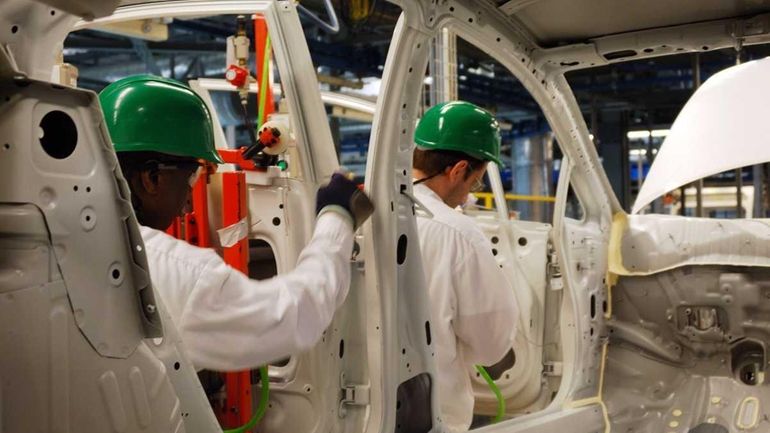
point(489, 198)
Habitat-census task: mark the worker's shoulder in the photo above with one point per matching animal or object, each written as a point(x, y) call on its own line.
point(160, 244)
point(449, 221)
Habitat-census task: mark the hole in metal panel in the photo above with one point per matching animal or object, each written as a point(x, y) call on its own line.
point(414, 414)
point(59, 134)
point(497, 369)
point(401, 250)
point(620, 54)
point(262, 263)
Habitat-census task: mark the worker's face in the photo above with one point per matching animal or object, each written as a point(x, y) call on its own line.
point(164, 190)
point(463, 179)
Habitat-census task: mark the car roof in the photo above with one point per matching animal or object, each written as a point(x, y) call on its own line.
point(557, 22)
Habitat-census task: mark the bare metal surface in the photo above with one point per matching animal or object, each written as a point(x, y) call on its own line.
point(653, 243)
point(655, 42)
point(580, 245)
point(77, 310)
point(715, 316)
point(552, 21)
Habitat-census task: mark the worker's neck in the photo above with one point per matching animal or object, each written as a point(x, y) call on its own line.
point(435, 183)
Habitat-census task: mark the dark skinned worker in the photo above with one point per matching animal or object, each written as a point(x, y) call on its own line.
point(163, 136)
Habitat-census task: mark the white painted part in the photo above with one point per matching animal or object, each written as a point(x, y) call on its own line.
point(241, 46)
point(111, 394)
point(220, 141)
point(501, 205)
point(179, 9)
point(139, 393)
point(722, 127)
point(283, 137)
point(232, 234)
point(348, 101)
point(264, 178)
point(331, 98)
point(230, 58)
point(223, 85)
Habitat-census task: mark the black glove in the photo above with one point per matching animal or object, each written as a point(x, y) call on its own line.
point(342, 192)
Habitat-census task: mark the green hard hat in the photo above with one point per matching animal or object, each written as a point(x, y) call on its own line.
point(460, 126)
point(149, 113)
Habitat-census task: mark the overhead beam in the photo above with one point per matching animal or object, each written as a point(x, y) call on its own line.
point(645, 44)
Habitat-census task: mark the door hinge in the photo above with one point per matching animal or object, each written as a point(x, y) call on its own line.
point(553, 368)
point(553, 270)
point(352, 395)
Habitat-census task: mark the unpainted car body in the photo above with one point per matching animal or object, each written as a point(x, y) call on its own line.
point(641, 322)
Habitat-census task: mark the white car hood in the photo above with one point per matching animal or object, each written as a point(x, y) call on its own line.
point(725, 125)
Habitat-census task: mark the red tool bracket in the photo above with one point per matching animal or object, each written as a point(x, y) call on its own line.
point(238, 407)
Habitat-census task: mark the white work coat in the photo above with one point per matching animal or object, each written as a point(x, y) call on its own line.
point(229, 322)
point(473, 308)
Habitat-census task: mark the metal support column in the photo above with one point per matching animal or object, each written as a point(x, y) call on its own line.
point(739, 213)
point(532, 168)
point(757, 208)
point(442, 68)
point(230, 137)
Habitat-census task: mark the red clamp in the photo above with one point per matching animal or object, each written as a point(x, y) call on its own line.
point(236, 76)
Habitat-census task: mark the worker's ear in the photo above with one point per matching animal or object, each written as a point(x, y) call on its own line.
point(457, 172)
point(148, 181)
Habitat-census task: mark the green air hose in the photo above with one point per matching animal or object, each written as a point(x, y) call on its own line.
point(493, 386)
point(263, 88)
point(264, 397)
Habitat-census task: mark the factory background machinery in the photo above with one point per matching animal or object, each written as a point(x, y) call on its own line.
point(629, 106)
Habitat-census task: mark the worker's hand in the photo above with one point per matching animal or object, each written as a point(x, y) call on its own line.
point(343, 193)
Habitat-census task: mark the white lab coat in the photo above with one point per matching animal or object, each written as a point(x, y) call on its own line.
point(473, 308)
point(229, 322)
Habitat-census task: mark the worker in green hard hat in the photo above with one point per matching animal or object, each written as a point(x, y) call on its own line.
point(163, 135)
point(474, 312)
